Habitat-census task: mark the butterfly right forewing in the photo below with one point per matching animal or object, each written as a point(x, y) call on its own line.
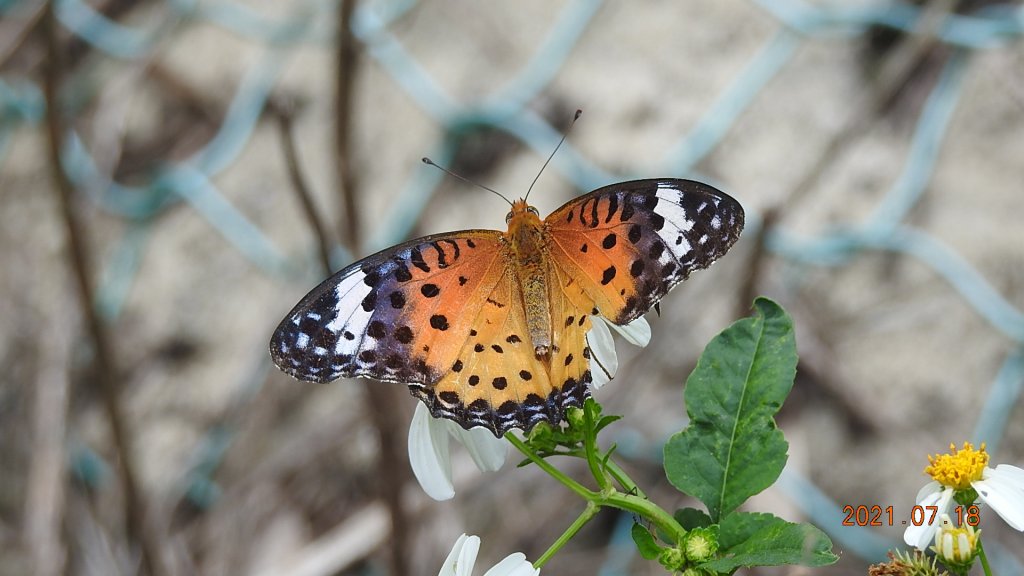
point(630, 243)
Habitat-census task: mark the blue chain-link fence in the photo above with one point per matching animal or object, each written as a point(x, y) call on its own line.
point(193, 180)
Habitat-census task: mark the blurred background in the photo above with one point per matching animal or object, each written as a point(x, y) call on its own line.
point(175, 175)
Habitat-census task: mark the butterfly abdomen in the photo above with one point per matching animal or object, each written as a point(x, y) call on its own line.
point(528, 244)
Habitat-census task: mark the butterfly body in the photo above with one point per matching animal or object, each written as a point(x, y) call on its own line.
point(528, 241)
point(490, 328)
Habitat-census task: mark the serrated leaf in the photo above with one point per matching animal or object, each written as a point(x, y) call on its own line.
point(732, 449)
point(645, 543)
point(740, 526)
point(748, 540)
point(690, 518)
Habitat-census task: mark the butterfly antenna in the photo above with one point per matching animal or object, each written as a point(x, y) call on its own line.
point(575, 117)
point(430, 162)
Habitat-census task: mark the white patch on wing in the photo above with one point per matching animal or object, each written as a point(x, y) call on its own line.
point(301, 340)
point(676, 221)
point(351, 317)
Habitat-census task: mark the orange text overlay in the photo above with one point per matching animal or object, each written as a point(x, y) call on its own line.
point(875, 515)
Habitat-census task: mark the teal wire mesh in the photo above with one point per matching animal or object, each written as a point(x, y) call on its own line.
point(200, 181)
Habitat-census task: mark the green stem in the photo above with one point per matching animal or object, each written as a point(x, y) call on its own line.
point(623, 479)
point(555, 473)
point(984, 559)
point(586, 516)
point(589, 447)
point(645, 509)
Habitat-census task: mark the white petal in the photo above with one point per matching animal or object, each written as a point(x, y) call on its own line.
point(1012, 474)
point(448, 567)
point(487, 451)
point(428, 454)
point(513, 565)
point(467, 556)
point(944, 545)
point(602, 349)
point(637, 332)
point(1003, 490)
point(928, 491)
point(933, 494)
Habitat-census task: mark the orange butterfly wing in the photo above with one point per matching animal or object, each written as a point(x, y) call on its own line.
point(447, 313)
point(628, 244)
point(400, 315)
point(498, 382)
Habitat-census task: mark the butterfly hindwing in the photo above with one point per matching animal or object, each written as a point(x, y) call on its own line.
point(400, 315)
point(497, 381)
point(630, 243)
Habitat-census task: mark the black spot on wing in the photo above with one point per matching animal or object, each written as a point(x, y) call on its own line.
point(404, 334)
point(607, 275)
point(439, 322)
point(397, 299)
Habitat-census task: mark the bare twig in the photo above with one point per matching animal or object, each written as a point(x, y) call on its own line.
point(284, 114)
point(382, 399)
point(44, 499)
point(107, 374)
point(348, 51)
point(391, 469)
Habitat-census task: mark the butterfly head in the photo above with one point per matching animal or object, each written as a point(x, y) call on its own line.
point(522, 214)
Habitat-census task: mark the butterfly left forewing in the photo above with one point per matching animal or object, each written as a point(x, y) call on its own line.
point(628, 244)
point(400, 315)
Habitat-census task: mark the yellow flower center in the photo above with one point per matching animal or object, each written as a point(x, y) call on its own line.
point(958, 469)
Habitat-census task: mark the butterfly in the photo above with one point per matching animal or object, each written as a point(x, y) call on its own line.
point(489, 328)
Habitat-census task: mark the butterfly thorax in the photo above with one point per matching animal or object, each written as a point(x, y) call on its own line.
point(529, 245)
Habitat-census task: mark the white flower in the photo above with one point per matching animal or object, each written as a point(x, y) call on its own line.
point(463, 556)
point(1001, 487)
point(430, 457)
point(956, 546)
point(920, 535)
point(637, 332)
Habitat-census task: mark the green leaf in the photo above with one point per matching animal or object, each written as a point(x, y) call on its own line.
point(645, 543)
point(747, 540)
point(690, 518)
point(738, 527)
point(732, 449)
point(606, 420)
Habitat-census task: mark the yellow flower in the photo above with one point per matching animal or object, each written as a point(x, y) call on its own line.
point(962, 471)
point(960, 468)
